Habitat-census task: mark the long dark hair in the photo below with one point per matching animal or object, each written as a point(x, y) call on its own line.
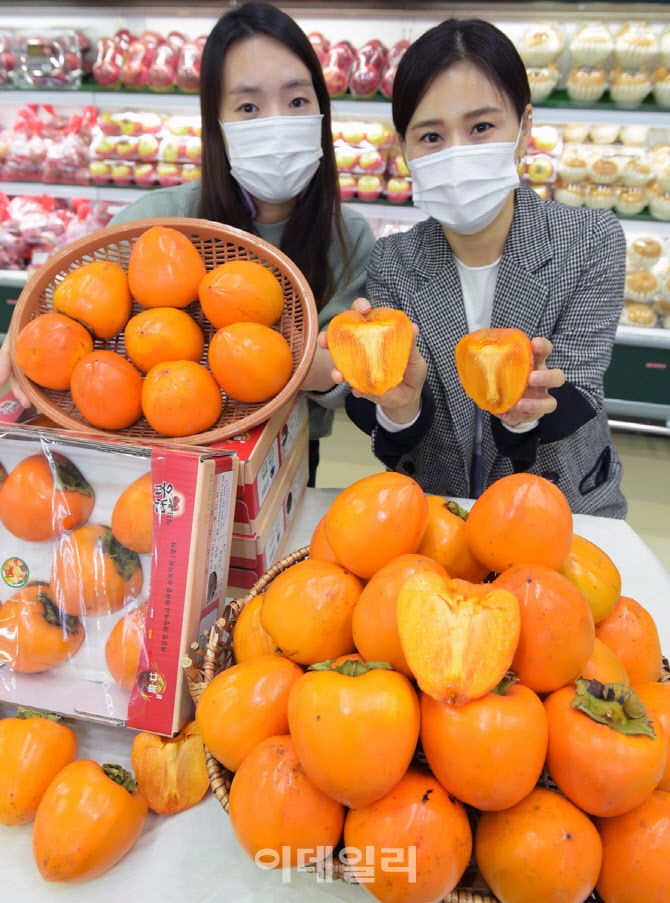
point(454, 41)
point(309, 231)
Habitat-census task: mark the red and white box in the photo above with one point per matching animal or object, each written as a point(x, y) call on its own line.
point(184, 577)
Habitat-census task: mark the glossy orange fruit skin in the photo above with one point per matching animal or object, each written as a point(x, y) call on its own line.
point(520, 519)
point(171, 772)
point(493, 366)
point(162, 334)
point(49, 346)
point(308, 610)
point(595, 574)
point(636, 853)
point(44, 497)
point(276, 808)
point(355, 736)
point(444, 541)
point(124, 646)
point(375, 621)
point(92, 574)
point(604, 665)
point(132, 515)
point(631, 633)
point(181, 398)
point(376, 519)
point(251, 362)
point(97, 295)
point(165, 268)
point(542, 849)
point(601, 770)
point(319, 547)
point(34, 635)
point(244, 705)
point(250, 640)
point(655, 697)
point(107, 390)
point(241, 290)
point(85, 823)
point(490, 752)
point(419, 815)
point(32, 752)
point(557, 629)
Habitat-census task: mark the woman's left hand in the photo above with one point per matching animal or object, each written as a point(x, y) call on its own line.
point(536, 400)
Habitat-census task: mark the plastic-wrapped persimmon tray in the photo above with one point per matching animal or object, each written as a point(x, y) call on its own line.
point(216, 244)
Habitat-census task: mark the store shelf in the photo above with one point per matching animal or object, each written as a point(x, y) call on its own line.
point(642, 337)
point(13, 278)
point(99, 97)
point(92, 192)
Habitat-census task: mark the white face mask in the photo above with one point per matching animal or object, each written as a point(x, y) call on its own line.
point(274, 158)
point(465, 187)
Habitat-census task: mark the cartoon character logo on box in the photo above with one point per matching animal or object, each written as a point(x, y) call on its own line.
point(166, 500)
point(152, 683)
point(15, 572)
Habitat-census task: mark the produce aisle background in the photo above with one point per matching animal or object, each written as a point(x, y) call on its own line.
point(346, 457)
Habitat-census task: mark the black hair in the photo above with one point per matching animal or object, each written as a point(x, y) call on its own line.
point(453, 41)
point(309, 231)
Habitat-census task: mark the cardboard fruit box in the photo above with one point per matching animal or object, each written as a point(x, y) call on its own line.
point(183, 580)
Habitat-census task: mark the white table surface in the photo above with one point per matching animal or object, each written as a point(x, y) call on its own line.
point(193, 857)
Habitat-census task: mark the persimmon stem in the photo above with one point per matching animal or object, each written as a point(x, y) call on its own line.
point(24, 712)
point(615, 705)
point(351, 668)
point(120, 776)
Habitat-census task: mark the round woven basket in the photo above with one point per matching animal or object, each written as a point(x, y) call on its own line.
point(204, 664)
point(217, 244)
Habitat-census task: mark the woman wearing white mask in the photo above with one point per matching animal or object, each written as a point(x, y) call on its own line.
point(492, 254)
point(268, 167)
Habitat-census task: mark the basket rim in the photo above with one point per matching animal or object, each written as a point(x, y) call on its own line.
point(62, 259)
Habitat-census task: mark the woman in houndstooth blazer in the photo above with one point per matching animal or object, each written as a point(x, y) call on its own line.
point(559, 276)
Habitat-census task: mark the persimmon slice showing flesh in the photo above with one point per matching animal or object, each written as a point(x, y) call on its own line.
point(493, 367)
point(371, 350)
point(459, 638)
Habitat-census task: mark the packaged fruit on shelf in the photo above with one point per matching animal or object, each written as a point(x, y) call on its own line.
point(97, 607)
point(363, 187)
point(43, 58)
point(364, 71)
point(148, 62)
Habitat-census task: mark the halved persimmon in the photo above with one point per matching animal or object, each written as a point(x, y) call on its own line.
point(493, 366)
point(49, 346)
point(107, 390)
point(241, 290)
point(181, 398)
point(97, 296)
point(459, 638)
point(162, 334)
point(165, 268)
point(371, 350)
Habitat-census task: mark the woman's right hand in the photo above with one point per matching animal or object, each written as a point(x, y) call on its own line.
point(403, 402)
point(6, 375)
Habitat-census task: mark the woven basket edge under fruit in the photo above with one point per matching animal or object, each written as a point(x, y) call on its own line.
point(298, 324)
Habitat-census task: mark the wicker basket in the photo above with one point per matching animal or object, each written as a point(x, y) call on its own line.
point(216, 244)
point(205, 664)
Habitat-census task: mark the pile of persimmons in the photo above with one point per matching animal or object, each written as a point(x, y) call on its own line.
point(429, 685)
point(158, 372)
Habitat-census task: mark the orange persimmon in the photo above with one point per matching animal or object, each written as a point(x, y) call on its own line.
point(595, 574)
point(132, 515)
point(89, 817)
point(107, 390)
point(444, 540)
point(44, 496)
point(33, 749)
point(97, 296)
point(459, 638)
point(49, 346)
point(171, 772)
point(631, 633)
point(124, 646)
point(655, 697)
point(374, 520)
point(557, 630)
point(162, 334)
point(250, 640)
point(241, 290)
point(371, 350)
point(165, 268)
point(319, 546)
point(541, 849)
point(520, 519)
point(250, 361)
point(604, 665)
point(277, 812)
point(181, 398)
point(493, 366)
point(375, 622)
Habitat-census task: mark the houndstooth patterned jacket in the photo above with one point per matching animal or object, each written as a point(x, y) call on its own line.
point(561, 276)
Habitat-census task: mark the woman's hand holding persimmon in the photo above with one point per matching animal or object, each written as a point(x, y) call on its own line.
point(536, 400)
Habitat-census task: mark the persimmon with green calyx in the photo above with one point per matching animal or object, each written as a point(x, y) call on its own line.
point(490, 752)
point(90, 816)
point(595, 574)
point(34, 747)
point(603, 751)
point(493, 366)
point(171, 772)
point(35, 635)
point(44, 496)
point(459, 638)
point(444, 540)
point(355, 728)
point(371, 350)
